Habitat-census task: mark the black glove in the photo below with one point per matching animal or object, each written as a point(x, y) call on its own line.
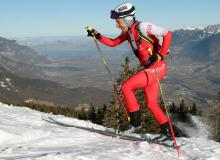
point(92, 33)
point(152, 59)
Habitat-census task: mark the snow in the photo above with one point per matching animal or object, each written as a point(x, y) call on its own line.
point(6, 84)
point(198, 129)
point(2, 84)
point(25, 135)
point(8, 80)
point(189, 28)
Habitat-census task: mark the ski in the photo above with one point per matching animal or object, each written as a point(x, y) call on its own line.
point(142, 138)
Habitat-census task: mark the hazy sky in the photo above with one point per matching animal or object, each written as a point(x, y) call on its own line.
point(22, 18)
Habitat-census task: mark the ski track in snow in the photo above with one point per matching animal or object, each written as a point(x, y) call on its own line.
point(24, 135)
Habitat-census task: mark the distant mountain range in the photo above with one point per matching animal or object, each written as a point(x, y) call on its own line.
point(197, 44)
point(195, 65)
point(21, 60)
point(186, 41)
point(194, 73)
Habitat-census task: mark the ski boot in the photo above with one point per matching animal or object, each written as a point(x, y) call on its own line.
point(135, 122)
point(165, 133)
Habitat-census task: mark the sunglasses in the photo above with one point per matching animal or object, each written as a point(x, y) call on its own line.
point(114, 15)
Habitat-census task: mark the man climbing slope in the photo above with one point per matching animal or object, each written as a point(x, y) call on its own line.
point(150, 43)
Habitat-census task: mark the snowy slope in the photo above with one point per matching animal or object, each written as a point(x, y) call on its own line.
point(25, 135)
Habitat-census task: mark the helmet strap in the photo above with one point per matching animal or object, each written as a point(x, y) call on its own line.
point(129, 22)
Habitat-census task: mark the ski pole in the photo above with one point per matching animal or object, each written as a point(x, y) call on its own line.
point(110, 75)
point(167, 112)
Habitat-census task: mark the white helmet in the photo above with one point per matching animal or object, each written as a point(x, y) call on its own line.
point(123, 10)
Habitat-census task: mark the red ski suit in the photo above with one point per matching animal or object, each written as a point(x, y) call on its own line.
point(145, 79)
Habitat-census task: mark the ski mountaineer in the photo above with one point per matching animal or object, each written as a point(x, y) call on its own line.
point(150, 43)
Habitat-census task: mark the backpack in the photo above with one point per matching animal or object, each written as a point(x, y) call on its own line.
point(157, 46)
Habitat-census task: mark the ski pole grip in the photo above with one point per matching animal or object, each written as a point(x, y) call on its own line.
point(89, 28)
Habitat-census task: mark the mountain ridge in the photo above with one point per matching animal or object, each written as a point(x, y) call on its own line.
point(18, 89)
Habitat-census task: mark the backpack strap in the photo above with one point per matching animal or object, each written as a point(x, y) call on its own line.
point(141, 36)
point(145, 38)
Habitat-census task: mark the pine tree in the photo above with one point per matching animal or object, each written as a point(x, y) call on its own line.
point(182, 107)
point(115, 116)
point(92, 114)
point(214, 119)
point(193, 110)
point(83, 114)
point(218, 97)
point(173, 108)
point(182, 114)
point(111, 118)
point(100, 116)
